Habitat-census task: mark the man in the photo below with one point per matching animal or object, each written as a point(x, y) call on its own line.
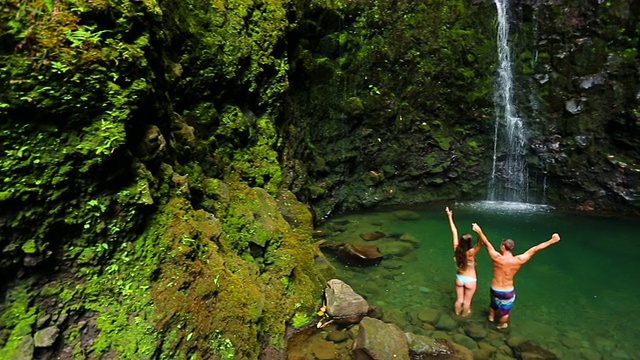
point(505, 267)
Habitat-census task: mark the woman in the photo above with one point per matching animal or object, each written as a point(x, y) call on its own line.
point(465, 258)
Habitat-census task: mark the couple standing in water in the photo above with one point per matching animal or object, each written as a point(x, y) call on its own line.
point(505, 267)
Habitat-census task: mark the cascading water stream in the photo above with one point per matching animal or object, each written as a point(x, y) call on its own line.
point(509, 176)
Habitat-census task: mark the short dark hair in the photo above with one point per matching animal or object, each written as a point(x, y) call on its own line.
point(508, 244)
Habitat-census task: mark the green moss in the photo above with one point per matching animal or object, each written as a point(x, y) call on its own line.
point(222, 346)
point(80, 83)
point(5, 195)
point(256, 162)
point(29, 247)
point(18, 315)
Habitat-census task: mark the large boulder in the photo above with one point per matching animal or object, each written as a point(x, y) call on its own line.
point(46, 337)
point(343, 304)
point(378, 340)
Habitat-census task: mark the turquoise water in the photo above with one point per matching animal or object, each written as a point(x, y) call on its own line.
point(579, 296)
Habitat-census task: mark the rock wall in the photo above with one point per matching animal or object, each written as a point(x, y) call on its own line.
point(579, 66)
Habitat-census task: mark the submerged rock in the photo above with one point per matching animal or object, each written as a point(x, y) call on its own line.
point(361, 255)
point(372, 236)
point(531, 351)
point(406, 215)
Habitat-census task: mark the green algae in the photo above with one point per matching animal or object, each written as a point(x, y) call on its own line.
point(18, 315)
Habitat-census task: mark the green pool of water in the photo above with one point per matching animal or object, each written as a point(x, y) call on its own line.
point(579, 296)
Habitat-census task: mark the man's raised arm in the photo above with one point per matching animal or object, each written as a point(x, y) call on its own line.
point(490, 249)
point(526, 256)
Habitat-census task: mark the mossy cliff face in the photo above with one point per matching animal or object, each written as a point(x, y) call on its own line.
point(578, 67)
point(391, 102)
point(141, 210)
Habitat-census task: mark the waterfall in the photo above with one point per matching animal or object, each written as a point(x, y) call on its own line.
point(509, 176)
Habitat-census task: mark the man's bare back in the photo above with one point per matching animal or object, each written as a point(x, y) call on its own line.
point(505, 267)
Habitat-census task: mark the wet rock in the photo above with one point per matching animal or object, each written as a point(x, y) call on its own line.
point(374, 312)
point(482, 354)
point(531, 351)
point(338, 228)
point(344, 304)
point(372, 236)
point(465, 341)
point(372, 289)
point(323, 350)
point(378, 340)
point(428, 328)
point(337, 336)
point(397, 317)
point(408, 238)
point(573, 106)
point(485, 351)
point(33, 260)
point(589, 81)
point(423, 347)
point(460, 352)
point(582, 141)
point(294, 212)
point(515, 341)
point(406, 215)
point(393, 264)
point(441, 335)
point(361, 255)
point(430, 316)
point(476, 330)
point(446, 323)
point(589, 354)
point(541, 78)
point(538, 330)
point(152, 144)
point(396, 248)
point(571, 342)
point(25, 349)
point(324, 266)
point(60, 319)
point(42, 321)
point(46, 337)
